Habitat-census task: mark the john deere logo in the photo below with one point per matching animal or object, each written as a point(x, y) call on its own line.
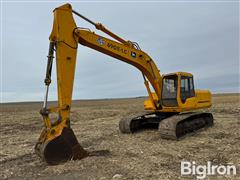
point(100, 41)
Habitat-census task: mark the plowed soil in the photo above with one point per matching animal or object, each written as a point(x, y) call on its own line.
point(142, 155)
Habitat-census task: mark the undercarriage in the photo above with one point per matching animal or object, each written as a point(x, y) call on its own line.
point(170, 125)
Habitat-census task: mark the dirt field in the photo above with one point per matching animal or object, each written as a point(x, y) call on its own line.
point(143, 155)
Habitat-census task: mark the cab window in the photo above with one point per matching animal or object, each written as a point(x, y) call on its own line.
point(186, 88)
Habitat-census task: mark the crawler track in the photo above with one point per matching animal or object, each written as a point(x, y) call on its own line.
point(179, 125)
point(170, 125)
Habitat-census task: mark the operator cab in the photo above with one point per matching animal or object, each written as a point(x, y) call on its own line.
point(180, 82)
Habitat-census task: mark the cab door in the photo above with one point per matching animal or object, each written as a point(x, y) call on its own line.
point(169, 91)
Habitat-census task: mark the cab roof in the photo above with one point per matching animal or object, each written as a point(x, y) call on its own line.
point(179, 73)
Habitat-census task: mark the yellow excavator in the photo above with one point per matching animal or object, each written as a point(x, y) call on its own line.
point(170, 106)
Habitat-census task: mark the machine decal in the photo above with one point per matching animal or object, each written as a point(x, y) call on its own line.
point(100, 41)
point(117, 48)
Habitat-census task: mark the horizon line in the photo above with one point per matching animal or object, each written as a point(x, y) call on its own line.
point(114, 98)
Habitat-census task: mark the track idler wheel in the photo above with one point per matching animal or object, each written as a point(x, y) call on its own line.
point(130, 124)
point(61, 148)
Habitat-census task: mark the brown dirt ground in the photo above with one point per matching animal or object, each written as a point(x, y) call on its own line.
point(143, 155)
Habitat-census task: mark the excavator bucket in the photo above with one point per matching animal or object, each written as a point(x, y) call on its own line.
point(61, 148)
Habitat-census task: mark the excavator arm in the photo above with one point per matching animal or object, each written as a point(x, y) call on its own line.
point(64, 40)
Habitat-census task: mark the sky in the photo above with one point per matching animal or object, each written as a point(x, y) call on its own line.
point(200, 37)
